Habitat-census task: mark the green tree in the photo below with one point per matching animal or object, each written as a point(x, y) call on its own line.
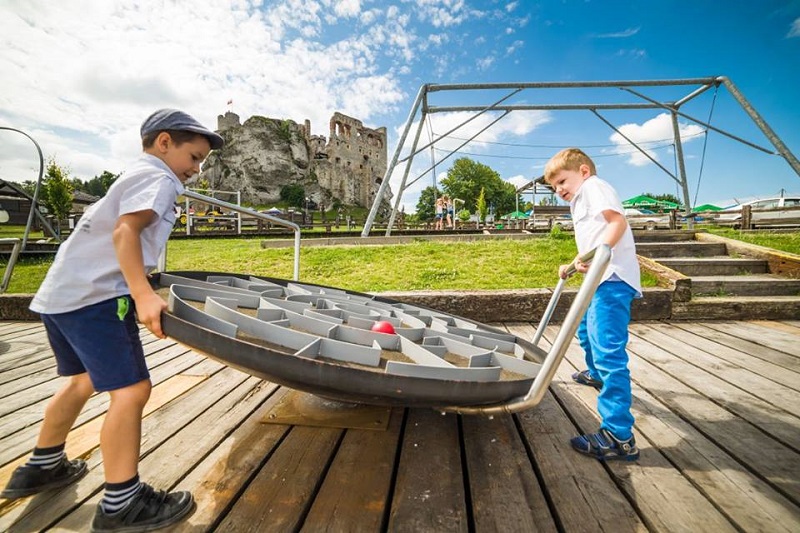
point(426, 203)
point(99, 185)
point(293, 194)
point(57, 192)
point(29, 186)
point(664, 197)
point(466, 178)
point(483, 210)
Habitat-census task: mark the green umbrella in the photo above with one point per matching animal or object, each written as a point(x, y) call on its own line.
point(706, 207)
point(647, 201)
point(515, 214)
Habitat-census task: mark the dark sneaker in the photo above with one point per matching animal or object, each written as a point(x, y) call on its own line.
point(27, 480)
point(606, 447)
point(150, 509)
point(585, 378)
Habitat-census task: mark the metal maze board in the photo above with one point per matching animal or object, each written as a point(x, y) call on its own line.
point(319, 340)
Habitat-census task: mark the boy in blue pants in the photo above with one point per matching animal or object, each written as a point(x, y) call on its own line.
point(89, 303)
point(598, 218)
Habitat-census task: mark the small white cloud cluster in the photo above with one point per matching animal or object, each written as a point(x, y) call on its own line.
point(655, 130)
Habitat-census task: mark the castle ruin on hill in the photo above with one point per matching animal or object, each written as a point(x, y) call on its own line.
point(263, 155)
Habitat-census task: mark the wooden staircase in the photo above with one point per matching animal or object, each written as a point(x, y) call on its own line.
point(726, 282)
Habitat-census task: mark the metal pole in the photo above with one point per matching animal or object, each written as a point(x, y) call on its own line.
point(687, 202)
point(390, 168)
point(35, 199)
point(762, 124)
point(405, 177)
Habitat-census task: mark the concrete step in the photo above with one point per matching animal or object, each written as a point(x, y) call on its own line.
point(745, 285)
point(714, 266)
point(681, 249)
point(738, 308)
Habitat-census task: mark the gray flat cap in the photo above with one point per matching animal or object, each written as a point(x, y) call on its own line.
point(173, 119)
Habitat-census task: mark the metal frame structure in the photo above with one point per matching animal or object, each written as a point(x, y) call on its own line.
point(420, 105)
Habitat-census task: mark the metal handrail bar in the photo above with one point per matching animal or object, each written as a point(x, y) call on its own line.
point(602, 256)
point(551, 305)
point(263, 216)
point(12, 260)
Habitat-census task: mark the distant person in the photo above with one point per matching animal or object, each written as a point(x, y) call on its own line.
point(598, 219)
point(439, 212)
point(449, 214)
point(89, 303)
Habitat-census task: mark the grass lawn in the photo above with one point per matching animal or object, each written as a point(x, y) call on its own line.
point(419, 265)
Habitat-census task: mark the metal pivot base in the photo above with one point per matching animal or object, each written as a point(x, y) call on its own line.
point(303, 409)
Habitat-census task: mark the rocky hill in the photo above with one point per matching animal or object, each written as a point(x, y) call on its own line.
point(263, 155)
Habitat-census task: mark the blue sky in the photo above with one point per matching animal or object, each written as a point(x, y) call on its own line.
point(80, 76)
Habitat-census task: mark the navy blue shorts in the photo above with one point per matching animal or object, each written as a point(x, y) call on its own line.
point(101, 339)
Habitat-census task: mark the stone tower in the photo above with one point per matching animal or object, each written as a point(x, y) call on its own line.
point(352, 149)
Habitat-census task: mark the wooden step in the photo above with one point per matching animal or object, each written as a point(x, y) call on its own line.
point(663, 235)
point(714, 266)
point(681, 249)
point(737, 308)
point(752, 285)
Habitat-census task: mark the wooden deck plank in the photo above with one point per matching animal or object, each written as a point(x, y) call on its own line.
point(504, 489)
point(218, 480)
point(180, 401)
point(782, 326)
point(767, 458)
point(742, 496)
point(703, 465)
point(24, 422)
point(766, 337)
point(775, 394)
point(663, 497)
point(705, 330)
point(774, 421)
point(276, 498)
point(429, 490)
point(691, 341)
point(583, 494)
point(358, 485)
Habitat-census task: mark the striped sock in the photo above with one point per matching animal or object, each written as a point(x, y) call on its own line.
point(46, 458)
point(117, 495)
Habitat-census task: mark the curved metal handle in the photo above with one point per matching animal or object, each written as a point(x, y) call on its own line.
point(601, 257)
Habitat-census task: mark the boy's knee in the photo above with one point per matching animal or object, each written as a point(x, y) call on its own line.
point(136, 394)
point(81, 385)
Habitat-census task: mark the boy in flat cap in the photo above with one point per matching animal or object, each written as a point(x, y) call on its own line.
point(89, 302)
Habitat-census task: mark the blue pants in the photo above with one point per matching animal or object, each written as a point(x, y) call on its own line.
point(603, 335)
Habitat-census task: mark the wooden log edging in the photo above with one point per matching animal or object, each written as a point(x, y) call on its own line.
point(523, 305)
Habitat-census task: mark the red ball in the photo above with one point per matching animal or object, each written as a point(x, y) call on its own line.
point(382, 326)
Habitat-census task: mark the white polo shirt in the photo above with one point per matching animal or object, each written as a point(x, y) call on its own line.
point(86, 269)
point(594, 197)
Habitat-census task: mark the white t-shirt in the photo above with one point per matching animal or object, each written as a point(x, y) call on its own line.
point(86, 269)
point(594, 197)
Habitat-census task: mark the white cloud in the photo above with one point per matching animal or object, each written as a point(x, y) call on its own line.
point(511, 6)
point(347, 8)
point(656, 130)
point(794, 31)
point(95, 70)
point(630, 32)
point(485, 62)
point(519, 180)
point(516, 45)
